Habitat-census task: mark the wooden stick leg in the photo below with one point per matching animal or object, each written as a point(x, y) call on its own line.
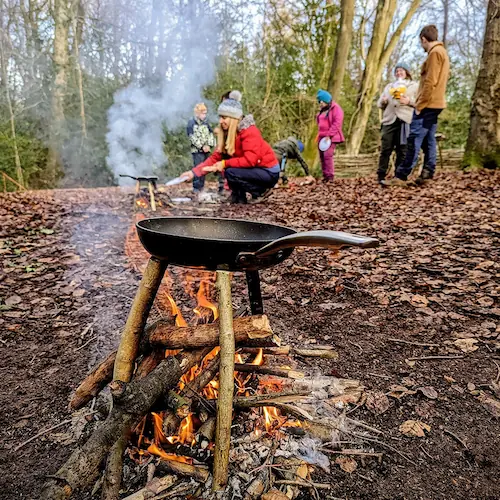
point(152, 197)
point(226, 383)
point(138, 315)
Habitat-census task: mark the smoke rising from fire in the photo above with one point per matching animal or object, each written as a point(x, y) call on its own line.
point(184, 62)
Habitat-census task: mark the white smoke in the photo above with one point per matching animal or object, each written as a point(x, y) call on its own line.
point(140, 112)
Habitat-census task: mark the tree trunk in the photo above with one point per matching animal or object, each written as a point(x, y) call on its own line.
point(60, 59)
point(78, 18)
point(5, 84)
point(377, 57)
point(483, 143)
point(342, 49)
point(446, 16)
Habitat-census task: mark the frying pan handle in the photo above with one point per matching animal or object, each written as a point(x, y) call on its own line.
point(326, 239)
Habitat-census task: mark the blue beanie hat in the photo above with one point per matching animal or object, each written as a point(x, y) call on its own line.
point(301, 146)
point(324, 96)
point(405, 66)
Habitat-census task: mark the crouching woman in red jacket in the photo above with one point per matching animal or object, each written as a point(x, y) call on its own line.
point(246, 159)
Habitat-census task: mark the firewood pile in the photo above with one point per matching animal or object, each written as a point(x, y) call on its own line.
point(160, 426)
point(157, 436)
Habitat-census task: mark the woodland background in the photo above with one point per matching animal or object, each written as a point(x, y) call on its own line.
point(65, 120)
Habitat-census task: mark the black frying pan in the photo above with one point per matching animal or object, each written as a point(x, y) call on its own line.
point(231, 244)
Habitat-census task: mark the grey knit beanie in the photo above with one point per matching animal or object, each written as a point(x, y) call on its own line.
point(231, 107)
point(405, 66)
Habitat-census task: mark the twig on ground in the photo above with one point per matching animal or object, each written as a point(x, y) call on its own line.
point(373, 440)
point(423, 344)
point(425, 453)
point(456, 438)
point(304, 482)
point(86, 343)
point(422, 358)
point(498, 371)
point(366, 478)
point(357, 345)
point(380, 376)
point(41, 433)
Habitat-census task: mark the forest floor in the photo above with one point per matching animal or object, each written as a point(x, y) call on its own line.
point(430, 289)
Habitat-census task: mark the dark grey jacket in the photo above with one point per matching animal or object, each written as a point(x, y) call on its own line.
point(290, 148)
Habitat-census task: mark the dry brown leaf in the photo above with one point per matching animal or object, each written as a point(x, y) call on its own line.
point(347, 464)
point(485, 301)
point(377, 402)
point(13, 300)
point(419, 301)
point(466, 345)
point(490, 403)
point(428, 392)
point(414, 428)
point(274, 494)
point(398, 391)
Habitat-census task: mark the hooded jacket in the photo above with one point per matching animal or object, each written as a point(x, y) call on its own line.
point(290, 148)
point(250, 150)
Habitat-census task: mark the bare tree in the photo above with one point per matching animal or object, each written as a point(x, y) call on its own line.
point(342, 48)
point(61, 15)
point(376, 59)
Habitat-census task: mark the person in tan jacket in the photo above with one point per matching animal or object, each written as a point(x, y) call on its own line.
point(428, 105)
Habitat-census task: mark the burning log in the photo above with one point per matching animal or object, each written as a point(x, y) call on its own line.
point(195, 471)
point(278, 400)
point(246, 329)
point(325, 352)
point(163, 334)
point(149, 363)
point(139, 396)
point(95, 381)
point(136, 321)
point(267, 370)
point(226, 383)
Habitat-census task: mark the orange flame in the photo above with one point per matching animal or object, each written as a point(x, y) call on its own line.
point(179, 320)
point(272, 418)
point(202, 297)
point(156, 450)
point(259, 358)
point(186, 432)
point(158, 428)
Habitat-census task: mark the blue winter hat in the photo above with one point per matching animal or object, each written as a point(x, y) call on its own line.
point(405, 66)
point(231, 106)
point(324, 96)
point(300, 144)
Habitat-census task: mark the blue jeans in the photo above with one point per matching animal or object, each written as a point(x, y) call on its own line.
point(422, 136)
point(253, 180)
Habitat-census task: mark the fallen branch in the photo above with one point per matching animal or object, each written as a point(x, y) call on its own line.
point(304, 482)
point(246, 330)
point(95, 381)
point(226, 383)
point(41, 433)
point(422, 358)
point(114, 469)
point(136, 400)
point(153, 487)
point(423, 344)
point(267, 370)
point(196, 472)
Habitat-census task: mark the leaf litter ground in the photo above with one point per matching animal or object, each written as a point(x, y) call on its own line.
point(416, 320)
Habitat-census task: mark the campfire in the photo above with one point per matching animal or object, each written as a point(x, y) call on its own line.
point(202, 397)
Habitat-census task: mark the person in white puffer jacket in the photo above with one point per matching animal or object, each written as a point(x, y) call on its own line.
point(396, 101)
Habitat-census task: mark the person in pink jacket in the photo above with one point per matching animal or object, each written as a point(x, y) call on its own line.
point(330, 119)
